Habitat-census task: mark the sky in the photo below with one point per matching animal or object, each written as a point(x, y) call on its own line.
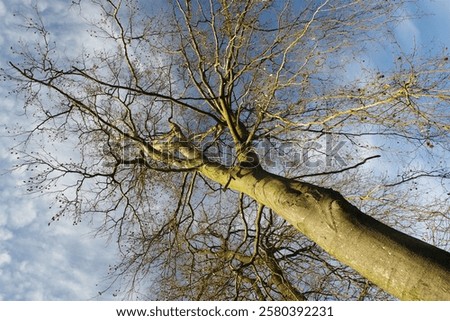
point(65, 262)
point(40, 261)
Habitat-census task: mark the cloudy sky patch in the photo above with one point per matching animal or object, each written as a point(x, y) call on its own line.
point(38, 261)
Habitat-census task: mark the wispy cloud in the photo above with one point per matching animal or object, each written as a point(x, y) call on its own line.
point(38, 261)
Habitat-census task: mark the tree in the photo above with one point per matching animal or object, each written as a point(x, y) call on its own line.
point(186, 123)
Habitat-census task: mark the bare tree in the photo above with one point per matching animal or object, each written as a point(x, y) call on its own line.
point(187, 125)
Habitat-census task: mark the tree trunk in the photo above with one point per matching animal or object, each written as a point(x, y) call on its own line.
point(405, 267)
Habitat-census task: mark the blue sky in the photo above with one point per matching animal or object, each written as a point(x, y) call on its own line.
point(62, 261)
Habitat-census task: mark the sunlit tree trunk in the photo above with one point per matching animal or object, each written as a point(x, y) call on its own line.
point(398, 263)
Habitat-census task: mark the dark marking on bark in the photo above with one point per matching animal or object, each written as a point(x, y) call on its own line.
point(225, 187)
point(329, 215)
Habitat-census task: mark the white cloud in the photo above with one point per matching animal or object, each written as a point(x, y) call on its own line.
point(5, 258)
point(5, 234)
point(45, 265)
point(2, 9)
point(18, 210)
point(408, 33)
point(21, 214)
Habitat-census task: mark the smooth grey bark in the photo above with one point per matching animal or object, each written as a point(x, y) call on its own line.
point(404, 266)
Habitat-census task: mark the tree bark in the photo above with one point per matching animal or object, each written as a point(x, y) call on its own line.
point(404, 266)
